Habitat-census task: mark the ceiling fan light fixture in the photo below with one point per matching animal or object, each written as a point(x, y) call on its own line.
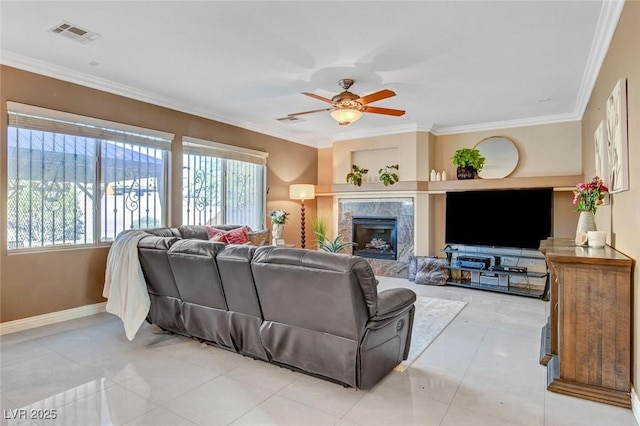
point(346, 115)
point(347, 111)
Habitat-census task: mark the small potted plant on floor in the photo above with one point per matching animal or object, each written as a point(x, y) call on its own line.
point(469, 162)
point(319, 227)
point(337, 245)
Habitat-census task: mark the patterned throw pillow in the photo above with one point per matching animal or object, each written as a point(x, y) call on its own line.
point(432, 271)
point(416, 263)
point(215, 234)
point(237, 236)
point(218, 238)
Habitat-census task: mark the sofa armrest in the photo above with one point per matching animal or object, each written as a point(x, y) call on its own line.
point(153, 242)
point(393, 301)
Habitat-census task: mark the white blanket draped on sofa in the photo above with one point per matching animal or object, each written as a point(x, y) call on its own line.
point(124, 284)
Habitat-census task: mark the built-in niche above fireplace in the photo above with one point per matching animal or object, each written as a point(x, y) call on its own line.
point(375, 237)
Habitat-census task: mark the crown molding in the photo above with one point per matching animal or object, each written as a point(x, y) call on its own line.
point(606, 28)
point(497, 125)
point(47, 69)
point(607, 22)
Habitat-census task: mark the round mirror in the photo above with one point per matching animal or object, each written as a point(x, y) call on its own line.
point(501, 157)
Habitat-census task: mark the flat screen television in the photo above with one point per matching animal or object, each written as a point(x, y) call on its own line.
point(517, 218)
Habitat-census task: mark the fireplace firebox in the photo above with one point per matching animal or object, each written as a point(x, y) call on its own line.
point(375, 237)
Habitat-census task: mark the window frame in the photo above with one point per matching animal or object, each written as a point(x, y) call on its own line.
point(34, 118)
point(196, 146)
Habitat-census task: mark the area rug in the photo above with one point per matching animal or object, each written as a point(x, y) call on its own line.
point(432, 316)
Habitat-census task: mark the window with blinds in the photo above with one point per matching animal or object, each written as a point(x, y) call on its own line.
point(79, 180)
point(223, 184)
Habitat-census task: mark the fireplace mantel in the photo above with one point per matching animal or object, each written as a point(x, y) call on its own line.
point(561, 183)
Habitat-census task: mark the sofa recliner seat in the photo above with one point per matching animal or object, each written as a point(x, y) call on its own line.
point(310, 311)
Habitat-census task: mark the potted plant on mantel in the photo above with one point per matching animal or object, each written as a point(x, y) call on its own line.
point(356, 175)
point(388, 176)
point(469, 162)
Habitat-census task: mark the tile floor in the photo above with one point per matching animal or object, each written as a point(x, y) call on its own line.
point(482, 370)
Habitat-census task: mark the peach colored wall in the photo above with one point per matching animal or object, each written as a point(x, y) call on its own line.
point(621, 218)
point(544, 150)
point(425, 155)
point(325, 177)
point(325, 166)
point(38, 283)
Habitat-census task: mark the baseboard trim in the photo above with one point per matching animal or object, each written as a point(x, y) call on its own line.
point(635, 405)
point(51, 318)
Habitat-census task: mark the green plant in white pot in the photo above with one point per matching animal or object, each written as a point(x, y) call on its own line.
point(469, 162)
point(278, 219)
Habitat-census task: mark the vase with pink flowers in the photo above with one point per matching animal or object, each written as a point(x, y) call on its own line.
point(587, 196)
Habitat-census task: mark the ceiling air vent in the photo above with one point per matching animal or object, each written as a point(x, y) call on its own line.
point(74, 32)
point(288, 119)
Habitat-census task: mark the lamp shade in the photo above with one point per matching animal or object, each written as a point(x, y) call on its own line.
point(302, 192)
point(346, 115)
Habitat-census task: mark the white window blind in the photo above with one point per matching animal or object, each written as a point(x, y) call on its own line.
point(219, 150)
point(223, 184)
point(75, 180)
point(48, 120)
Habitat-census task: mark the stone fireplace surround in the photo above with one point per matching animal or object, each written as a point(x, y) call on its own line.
point(402, 209)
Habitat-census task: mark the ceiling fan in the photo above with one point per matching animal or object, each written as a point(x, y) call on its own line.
point(347, 107)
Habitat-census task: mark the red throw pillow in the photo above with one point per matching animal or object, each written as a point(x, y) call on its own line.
point(237, 236)
point(218, 238)
point(215, 234)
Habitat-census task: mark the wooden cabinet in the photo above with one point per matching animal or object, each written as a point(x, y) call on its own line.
point(586, 343)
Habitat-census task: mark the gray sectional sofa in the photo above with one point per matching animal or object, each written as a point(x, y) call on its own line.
point(309, 311)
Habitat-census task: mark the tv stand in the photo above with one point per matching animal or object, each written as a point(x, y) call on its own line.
point(522, 272)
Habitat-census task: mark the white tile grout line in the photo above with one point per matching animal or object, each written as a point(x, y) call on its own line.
point(469, 366)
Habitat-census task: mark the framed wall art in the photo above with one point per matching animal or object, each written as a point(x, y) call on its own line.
point(617, 150)
point(602, 159)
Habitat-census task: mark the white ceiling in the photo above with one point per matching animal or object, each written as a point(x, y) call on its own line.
point(455, 66)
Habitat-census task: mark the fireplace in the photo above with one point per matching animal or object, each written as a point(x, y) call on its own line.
point(375, 237)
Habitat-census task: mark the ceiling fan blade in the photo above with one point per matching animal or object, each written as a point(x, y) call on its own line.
point(382, 94)
point(385, 111)
point(313, 95)
point(308, 112)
